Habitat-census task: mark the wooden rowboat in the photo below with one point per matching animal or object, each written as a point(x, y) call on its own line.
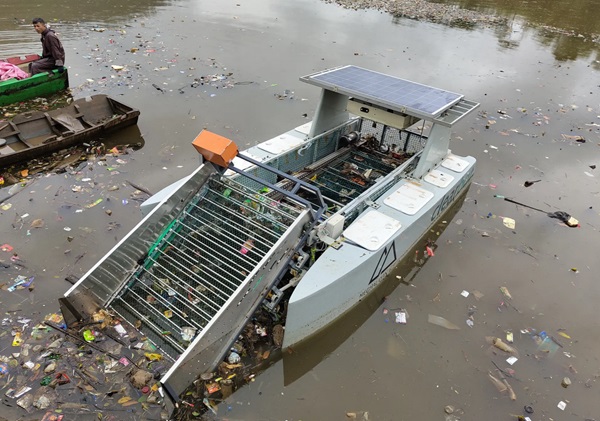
point(31, 134)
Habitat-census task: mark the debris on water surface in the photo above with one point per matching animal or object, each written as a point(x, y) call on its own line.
point(500, 344)
point(401, 316)
point(531, 183)
point(506, 293)
point(509, 223)
point(440, 321)
point(501, 387)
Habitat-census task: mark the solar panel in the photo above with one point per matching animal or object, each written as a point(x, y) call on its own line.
point(388, 91)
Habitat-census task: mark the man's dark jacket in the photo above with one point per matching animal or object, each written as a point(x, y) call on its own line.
point(52, 47)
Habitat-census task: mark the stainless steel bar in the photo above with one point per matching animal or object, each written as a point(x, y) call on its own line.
point(370, 162)
point(157, 330)
point(365, 165)
point(256, 215)
point(185, 304)
point(166, 270)
point(213, 240)
point(247, 219)
point(204, 299)
point(336, 173)
point(193, 274)
point(205, 251)
point(167, 304)
point(291, 205)
point(323, 186)
point(237, 239)
point(164, 352)
point(142, 301)
point(236, 244)
point(316, 213)
point(267, 201)
point(275, 206)
point(234, 215)
point(203, 229)
point(332, 201)
point(239, 188)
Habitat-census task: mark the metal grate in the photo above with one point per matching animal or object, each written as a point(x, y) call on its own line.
point(200, 259)
point(393, 139)
point(342, 181)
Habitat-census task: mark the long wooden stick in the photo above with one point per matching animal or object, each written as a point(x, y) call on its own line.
point(511, 392)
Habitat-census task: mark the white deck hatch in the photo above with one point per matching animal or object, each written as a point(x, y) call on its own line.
point(372, 230)
point(439, 178)
point(455, 164)
point(280, 144)
point(409, 198)
point(305, 128)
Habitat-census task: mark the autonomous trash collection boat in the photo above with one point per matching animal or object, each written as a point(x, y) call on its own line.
point(311, 221)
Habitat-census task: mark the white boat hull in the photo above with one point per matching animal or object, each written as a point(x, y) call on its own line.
point(340, 278)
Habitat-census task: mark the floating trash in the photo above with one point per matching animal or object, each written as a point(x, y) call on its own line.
point(440, 321)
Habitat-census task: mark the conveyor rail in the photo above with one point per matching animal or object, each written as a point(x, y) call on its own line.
point(200, 260)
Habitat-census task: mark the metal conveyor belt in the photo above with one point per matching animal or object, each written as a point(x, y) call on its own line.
point(200, 260)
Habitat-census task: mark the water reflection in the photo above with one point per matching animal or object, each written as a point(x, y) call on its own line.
point(580, 16)
point(570, 29)
point(568, 48)
point(72, 19)
point(78, 11)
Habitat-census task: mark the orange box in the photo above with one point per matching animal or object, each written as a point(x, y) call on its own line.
point(212, 388)
point(214, 148)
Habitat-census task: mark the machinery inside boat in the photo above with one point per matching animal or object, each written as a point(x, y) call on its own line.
point(206, 253)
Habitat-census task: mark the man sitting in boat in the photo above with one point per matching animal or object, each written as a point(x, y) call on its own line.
point(53, 53)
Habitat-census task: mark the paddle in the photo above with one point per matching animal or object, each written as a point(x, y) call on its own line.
point(560, 215)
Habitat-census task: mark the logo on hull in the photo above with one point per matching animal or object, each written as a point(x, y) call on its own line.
point(448, 199)
point(387, 259)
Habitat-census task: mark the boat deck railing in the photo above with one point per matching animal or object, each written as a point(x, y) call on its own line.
point(404, 144)
point(389, 152)
point(392, 138)
point(313, 163)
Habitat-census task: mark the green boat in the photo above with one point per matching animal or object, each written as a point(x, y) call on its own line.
point(42, 84)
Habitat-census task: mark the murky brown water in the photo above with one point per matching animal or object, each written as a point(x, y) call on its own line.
point(544, 84)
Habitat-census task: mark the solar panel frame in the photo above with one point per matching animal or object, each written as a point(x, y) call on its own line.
point(387, 91)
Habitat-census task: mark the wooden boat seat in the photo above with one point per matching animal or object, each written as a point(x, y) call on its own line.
point(70, 122)
point(39, 140)
point(49, 139)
